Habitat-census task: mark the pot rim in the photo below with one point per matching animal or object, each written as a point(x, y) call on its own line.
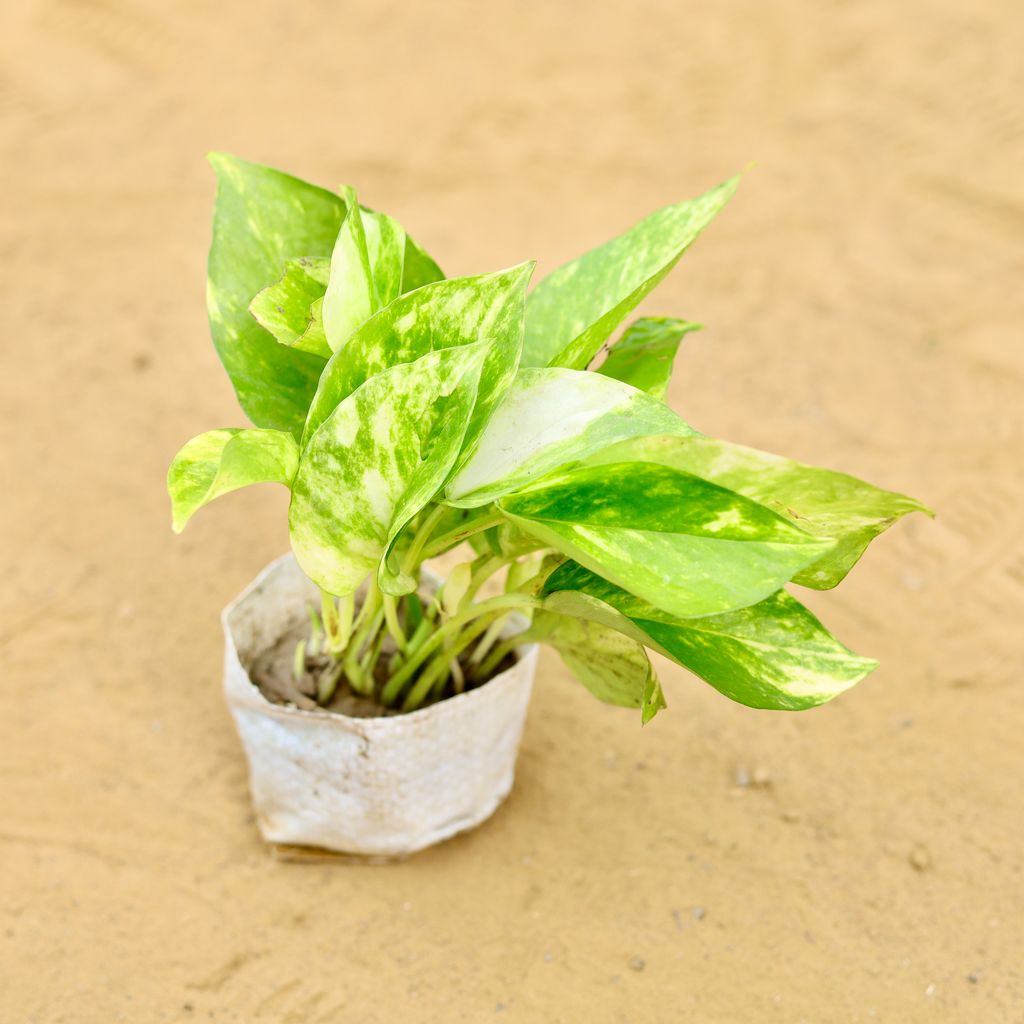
point(450, 705)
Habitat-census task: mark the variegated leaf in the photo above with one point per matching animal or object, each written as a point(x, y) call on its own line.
point(262, 218)
point(574, 310)
point(445, 314)
point(224, 460)
point(549, 417)
point(386, 246)
point(289, 308)
point(774, 654)
point(644, 355)
point(685, 545)
point(352, 297)
point(821, 502)
point(375, 462)
point(614, 668)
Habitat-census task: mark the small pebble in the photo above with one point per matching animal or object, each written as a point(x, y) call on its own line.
point(972, 978)
point(930, 990)
point(920, 859)
point(698, 913)
point(548, 958)
point(759, 777)
point(637, 963)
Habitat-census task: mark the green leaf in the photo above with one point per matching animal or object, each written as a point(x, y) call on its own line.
point(286, 308)
point(442, 315)
point(352, 296)
point(573, 311)
point(550, 417)
point(262, 218)
point(386, 245)
point(681, 543)
point(821, 502)
point(774, 654)
point(643, 356)
point(224, 460)
point(418, 268)
point(375, 462)
point(614, 668)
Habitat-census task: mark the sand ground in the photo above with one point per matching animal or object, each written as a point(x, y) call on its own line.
point(864, 300)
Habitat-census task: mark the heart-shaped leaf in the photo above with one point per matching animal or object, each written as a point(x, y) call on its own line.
point(685, 545)
point(549, 417)
point(224, 460)
point(821, 502)
point(613, 667)
point(375, 462)
point(262, 218)
point(774, 654)
point(445, 314)
point(574, 310)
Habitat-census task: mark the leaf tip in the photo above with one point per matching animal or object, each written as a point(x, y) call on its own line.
point(219, 161)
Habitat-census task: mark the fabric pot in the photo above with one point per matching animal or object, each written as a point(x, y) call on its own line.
point(373, 786)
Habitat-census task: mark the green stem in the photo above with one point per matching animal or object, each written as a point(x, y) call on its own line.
point(491, 637)
point(413, 556)
point(453, 537)
point(369, 662)
point(372, 620)
point(328, 683)
point(421, 634)
point(438, 668)
point(502, 602)
point(394, 626)
point(498, 655)
point(487, 568)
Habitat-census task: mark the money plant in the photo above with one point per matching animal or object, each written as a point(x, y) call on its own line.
point(411, 415)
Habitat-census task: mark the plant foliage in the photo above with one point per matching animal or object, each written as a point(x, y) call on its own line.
point(409, 414)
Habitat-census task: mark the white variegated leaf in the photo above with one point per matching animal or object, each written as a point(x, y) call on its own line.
point(679, 542)
point(774, 654)
point(375, 462)
point(445, 314)
point(550, 417)
point(821, 502)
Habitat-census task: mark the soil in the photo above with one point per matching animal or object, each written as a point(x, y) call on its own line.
point(273, 674)
point(862, 294)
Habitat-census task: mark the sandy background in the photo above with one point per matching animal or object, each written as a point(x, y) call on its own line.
point(864, 298)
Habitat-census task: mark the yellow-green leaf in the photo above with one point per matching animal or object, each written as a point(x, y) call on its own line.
point(224, 460)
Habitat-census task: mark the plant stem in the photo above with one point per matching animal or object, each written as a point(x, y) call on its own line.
point(413, 556)
point(487, 568)
point(438, 668)
point(394, 626)
point(328, 682)
point(502, 602)
point(453, 537)
point(366, 624)
point(491, 637)
point(498, 655)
